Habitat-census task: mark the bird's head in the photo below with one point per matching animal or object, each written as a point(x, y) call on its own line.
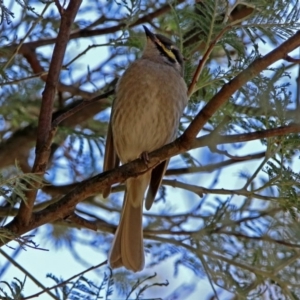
point(162, 50)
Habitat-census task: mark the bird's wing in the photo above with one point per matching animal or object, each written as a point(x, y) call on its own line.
point(156, 177)
point(111, 159)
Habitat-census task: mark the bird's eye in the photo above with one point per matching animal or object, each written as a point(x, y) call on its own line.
point(169, 47)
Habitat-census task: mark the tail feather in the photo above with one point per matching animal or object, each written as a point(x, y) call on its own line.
point(157, 175)
point(128, 248)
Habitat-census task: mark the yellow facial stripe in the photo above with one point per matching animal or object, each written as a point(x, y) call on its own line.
point(166, 50)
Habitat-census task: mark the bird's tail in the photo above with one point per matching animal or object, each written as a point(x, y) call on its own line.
point(128, 248)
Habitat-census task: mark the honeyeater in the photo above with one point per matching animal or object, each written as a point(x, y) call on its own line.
point(150, 98)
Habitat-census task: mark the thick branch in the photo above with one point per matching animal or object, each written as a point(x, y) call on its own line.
point(45, 132)
point(19, 144)
point(232, 86)
point(100, 182)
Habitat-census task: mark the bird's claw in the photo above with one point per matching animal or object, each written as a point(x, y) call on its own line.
point(145, 157)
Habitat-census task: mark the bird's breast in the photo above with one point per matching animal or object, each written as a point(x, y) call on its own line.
point(150, 99)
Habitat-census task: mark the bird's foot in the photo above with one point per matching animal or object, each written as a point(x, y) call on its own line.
point(145, 157)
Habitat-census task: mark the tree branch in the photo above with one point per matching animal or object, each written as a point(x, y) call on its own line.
point(28, 274)
point(232, 86)
point(19, 144)
point(81, 105)
point(45, 132)
point(30, 56)
point(63, 283)
point(212, 139)
point(84, 33)
point(187, 141)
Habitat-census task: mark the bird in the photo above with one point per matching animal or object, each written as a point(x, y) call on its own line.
point(150, 98)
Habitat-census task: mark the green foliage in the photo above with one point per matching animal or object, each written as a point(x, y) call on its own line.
point(5, 14)
point(13, 187)
point(83, 288)
point(236, 228)
point(15, 289)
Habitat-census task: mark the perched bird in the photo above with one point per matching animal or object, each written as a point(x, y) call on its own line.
point(150, 99)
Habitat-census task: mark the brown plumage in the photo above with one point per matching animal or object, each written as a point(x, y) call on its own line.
point(150, 98)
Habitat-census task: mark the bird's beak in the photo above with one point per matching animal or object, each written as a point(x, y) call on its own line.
point(150, 35)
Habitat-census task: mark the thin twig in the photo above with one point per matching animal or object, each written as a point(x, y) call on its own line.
point(17, 50)
point(79, 107)
point(205, 57)
point(59, 7)
point(261, 165)
point(85, 33)
point(81, 222)
point(233, 85)
point(18, 266)
point(292, 60)
point(16, 81)
point(84, 52)
point(259, 238)
point(61, 284)
point(198, 190)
